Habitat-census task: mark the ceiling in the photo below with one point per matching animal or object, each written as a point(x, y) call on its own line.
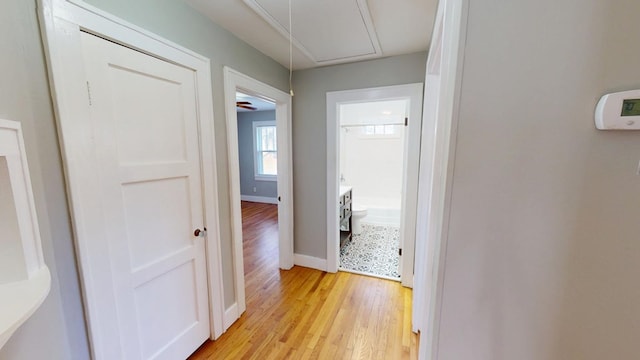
point(326, 32)
point(259, 104)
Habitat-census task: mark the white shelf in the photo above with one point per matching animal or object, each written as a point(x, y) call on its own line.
point(24, 278)
point(20, 299)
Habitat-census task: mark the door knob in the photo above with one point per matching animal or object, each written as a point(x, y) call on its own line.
point(199, 233)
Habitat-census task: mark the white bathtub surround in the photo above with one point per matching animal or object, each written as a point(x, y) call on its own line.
point(373, 165)
point(373, 252)
point(378, 216)
point(380, 211)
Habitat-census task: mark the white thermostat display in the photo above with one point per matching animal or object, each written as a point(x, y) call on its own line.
point(619, 111)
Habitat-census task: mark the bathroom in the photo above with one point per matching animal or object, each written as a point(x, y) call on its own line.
point(371, 156)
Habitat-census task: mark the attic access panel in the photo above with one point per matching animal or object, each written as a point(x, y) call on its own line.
point(327, 32)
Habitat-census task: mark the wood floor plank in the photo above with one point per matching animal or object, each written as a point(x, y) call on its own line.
point(309, 314)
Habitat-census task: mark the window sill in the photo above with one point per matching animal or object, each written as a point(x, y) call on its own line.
point(266, 177)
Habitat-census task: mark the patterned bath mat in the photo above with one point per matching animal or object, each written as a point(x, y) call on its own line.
point(374, 252)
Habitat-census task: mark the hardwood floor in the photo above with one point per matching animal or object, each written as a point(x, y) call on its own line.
point(309, 314)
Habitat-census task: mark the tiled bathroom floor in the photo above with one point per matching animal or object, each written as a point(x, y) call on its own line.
point(373, 252)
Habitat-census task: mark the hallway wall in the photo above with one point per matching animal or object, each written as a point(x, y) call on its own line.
point(543, 255)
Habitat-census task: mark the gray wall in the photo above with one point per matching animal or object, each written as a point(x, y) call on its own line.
point(56, 331)
point(543, 253)
point(245, 153)
point(309, 135)
point(176, 21)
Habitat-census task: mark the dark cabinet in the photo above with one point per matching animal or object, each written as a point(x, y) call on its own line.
point(345, 217)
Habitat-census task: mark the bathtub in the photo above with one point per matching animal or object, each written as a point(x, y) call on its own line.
point(380, 211)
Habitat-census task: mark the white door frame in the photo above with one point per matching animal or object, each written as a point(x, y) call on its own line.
point(62, 22)
point(441, 105)
point(236, 81)
point(412, 92)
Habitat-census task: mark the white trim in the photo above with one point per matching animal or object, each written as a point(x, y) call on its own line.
point(310, 262)
point(231, 315)
point(259, 199)
point(442, 103)
point(412, 92)
point(234, 81)
point(61, 24)
point(254, 140)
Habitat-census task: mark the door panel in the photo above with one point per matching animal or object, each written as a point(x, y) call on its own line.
point(146, 137)
point(151, 315)
point(136, 110)
point(145, 203)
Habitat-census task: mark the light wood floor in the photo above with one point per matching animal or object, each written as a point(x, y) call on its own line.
point(309, 314)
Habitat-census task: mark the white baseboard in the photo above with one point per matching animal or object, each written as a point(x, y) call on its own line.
point(310, 262)
point(259, 199)
point(230, 316)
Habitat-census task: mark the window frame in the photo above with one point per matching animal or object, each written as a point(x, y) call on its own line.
point(257, 124)
point(363, 135)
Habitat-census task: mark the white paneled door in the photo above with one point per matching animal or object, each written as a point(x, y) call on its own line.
point(144, 114)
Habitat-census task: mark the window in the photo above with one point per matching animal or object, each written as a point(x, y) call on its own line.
point(265, 145)
point(379, 130)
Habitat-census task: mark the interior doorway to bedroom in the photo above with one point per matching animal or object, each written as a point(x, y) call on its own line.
point(258, 155)
point(258, 123)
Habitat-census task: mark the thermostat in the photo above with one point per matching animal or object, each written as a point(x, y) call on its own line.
point(619, 111)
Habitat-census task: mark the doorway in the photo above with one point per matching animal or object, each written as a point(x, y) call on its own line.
point(258, 159)
point(390, 117)
point(257, 149)
point(241, 89)
point(372, 157)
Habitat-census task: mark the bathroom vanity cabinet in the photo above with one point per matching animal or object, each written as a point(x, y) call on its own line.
point(345, 215)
